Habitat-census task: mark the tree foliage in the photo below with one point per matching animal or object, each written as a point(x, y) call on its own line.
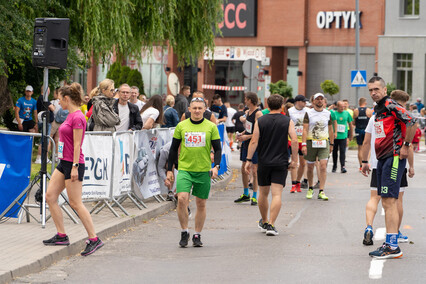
point(135, 79)
point(390, 87)
point(282, 88)
point(329, 87)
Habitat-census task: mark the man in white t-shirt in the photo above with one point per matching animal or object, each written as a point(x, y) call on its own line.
point(134, 94)
point(130, 118)
point(230, 126)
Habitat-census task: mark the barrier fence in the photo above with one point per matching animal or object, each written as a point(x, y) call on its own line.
point(118, 166)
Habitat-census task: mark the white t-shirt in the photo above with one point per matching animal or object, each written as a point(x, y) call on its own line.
point(318, 124)
point(139, 103)
point(57, 106)
point(124, 113)
point(231, 112)
point(297, 117)
point(370, 129)
point(150, 112)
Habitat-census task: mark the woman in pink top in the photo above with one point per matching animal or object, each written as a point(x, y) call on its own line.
point(70, 171)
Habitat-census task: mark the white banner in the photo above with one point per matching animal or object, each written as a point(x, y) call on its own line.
point(123, 156)
point(98, 161)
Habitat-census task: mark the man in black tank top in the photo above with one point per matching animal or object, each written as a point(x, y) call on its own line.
point(270, 137)
point(361, 117)
point(249, 120)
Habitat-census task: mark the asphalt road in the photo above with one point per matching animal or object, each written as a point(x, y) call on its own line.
point(319, 242)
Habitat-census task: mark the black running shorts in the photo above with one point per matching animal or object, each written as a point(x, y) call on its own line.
point(65, 167)
point(271, 174)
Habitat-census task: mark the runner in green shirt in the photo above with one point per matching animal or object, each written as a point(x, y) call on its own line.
point(196, 136)
point(344, 120)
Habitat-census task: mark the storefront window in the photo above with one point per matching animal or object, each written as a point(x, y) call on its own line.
point(230, 73)
point(411, 7)
point(153, 71)
point(404, 72)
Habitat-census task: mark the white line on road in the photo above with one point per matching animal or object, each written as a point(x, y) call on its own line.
point(296, 218)
point(376, 268)
point(380, 234)
point(383, 212)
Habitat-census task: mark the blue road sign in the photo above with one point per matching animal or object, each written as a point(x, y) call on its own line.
point(358, 78)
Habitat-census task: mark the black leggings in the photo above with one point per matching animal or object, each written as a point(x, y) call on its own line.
point(339, 144)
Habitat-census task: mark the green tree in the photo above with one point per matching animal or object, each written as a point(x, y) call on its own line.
point(135, 79)
point(329, 87)
point(282, 88)
point(124, 74)
point(114, 71)
point(390, 87)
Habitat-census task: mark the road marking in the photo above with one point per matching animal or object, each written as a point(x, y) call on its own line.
point(376, 268)
point(380, 234)
point(297, 217)
point(383, 212)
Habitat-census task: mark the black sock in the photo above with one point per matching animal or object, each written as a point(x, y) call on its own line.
point(305, 180)
point(297, 182)
point(321, 190)
point(293, 182)
point(311, 187)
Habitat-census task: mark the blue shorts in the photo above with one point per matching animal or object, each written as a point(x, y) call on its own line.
point(244, 151)
point(389, 175)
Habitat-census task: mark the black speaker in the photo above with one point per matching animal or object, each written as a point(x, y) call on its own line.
point(50, 46)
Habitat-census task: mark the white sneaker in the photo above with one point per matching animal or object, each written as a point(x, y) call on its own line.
point(37, 161)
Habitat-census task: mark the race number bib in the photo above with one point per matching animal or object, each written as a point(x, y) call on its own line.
point(195, 139)
point(379, 129)
point(341, 128)
point(299, 130)
point(249, 127)
point(319, 143)
point(60, 150)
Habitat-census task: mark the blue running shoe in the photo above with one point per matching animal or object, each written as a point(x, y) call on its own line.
point(385, 251)
point(402, 238)
point(368, 237)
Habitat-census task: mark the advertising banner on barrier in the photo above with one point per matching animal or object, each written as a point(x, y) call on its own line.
point(15, 170)
point(123, 156)
point(144, 166)
point(98, 153)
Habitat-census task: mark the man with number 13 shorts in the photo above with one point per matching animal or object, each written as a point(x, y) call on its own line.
point(196, 136)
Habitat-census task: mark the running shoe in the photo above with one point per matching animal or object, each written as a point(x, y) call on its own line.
point(368, 237)
point(304, 184)
point(196, 240)
point(322, 196)
point(253, 201)
point(333, 170)
point(57, 241)
point(271, 230)
point(242, 198)
point(310, 193)
point(92, 246)
point(298, 189)
point(184, 238)
point(317, 185)
point(344, 171)
point(262, 226)
point(385, 251)
point(170, 196)
point(402, 238)
point(250, 186)
point(293, 188)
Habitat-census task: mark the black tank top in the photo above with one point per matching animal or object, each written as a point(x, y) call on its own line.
point(273, 140)
point(361, 121)
point(251, 119)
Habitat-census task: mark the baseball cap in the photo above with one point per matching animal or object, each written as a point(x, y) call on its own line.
point(29, 88)
point(300, 98)
point(318, 95)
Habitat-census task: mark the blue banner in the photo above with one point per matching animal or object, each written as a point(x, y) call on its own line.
point(226, 150)
point(15, 170)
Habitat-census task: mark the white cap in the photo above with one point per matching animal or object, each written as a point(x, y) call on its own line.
point(318, 95)
point(29, 88)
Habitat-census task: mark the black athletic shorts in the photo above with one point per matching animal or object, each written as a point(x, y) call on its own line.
point(230, 129)
point(65, 167)
point(373, 182)
point(271, 174)
point(360, 138)
point(27, 125)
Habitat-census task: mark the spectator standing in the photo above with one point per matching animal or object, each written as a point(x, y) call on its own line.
point(230, 126)
point(171, 118)
point(130, 118)
point(83, 107)
point(152, 112)
point(181, 101)
point(219, 109)
point(343, 120)
point(25, 106)
point(419, 104)
point(134, 94)
point(103, 115)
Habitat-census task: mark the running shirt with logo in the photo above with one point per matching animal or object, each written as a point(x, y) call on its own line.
point(390, 124)
point(362, 119)
point(26, 108)
point(343, 118)
point(196, 144)
point(75, 120)
point(297, 116)
point(318, 124)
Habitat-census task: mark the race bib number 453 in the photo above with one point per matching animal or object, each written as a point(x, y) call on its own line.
point(195, 139)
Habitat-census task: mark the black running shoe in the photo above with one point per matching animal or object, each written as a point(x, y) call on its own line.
point(184, 238)
point(250, 186)
point(317, 185)
point(385, 251)
point(262, 226)
point(242, 198)
point(333, 170)
point(304, 184)
point(92, 246)
point(253, 201)
point(196, 240)
point(271, 230)
point(344, 171)
point(368, 237)
point(57, 241)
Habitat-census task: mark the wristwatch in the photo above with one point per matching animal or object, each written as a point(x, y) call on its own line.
point(75, 165)
point(407, 144)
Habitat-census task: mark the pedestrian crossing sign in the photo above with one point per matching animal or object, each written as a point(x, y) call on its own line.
point(358, 78)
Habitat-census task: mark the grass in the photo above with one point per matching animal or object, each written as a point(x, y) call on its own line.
point(35, 168)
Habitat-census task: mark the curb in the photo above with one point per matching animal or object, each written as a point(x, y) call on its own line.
point(78, 245)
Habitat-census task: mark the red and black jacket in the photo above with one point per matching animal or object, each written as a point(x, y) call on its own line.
point(395, 120)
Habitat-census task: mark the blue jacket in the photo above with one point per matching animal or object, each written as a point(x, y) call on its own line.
point(170, 116)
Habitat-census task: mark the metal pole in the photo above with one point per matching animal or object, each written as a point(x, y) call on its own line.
point(44, 143)
point(357, 44)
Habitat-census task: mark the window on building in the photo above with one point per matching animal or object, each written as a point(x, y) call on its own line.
point(404, 72)
point(411, 7)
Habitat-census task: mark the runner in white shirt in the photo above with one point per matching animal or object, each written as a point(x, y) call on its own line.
point(230, 126)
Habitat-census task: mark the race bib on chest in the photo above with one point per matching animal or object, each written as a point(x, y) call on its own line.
point(195, 139)
point(60, 150)
point(319, 143)
point(299, 130)
point(341, 128)
point(249, 126)
point(379, 129)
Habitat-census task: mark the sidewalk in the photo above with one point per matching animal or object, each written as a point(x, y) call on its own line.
point(22, 251)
